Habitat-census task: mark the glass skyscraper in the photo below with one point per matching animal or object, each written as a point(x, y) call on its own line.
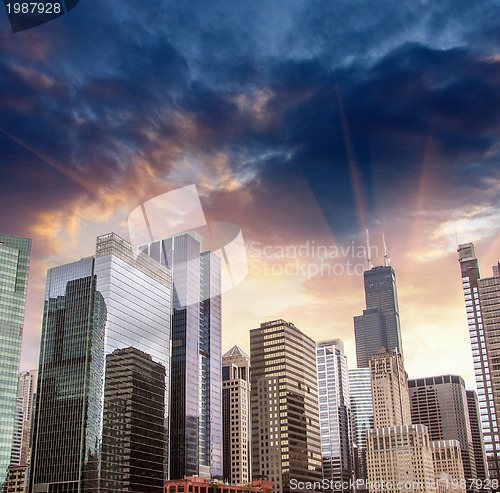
point(379, 326)
point(116, 300)
point(362, 418)
point(14, 263)
point(196, 446)
point(133, 438)
point(483, 295)
point(335, 414)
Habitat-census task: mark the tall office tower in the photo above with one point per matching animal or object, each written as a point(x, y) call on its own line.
point(26, 388)
point(398, 451)
point(389, 381)
point(335, 414)
point(362, 419)
point(118, 299)
point(483, 330)
point(448, 465)
point(236, 412)
point(196, 379)
point(133, 422)
point(401, 456)
point(477, 435)
point(286, 440)
point(379, 326)
point(14, 263)
point(440, 403)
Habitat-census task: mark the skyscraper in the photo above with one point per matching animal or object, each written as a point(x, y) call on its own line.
point(477, 435)
point(379, 326)
point(389, 380)
point(196, 380)
point(440, 403)
point(285, 426)
point(236, 412)
point(398, 451)
point(335, 414)
point(133, 437)
point(118, 299)
point(447, 459)
point(26, 388)
point(483, 295)
point(402, 456)
point(14, 264)
point(362, 419)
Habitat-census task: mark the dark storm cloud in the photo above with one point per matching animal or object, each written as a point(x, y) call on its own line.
point(121, 81)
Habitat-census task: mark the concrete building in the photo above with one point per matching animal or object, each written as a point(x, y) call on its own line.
point(134, 434)
point(236, 415)
point(482, 302)
point(389, 382)
point(440, 403)
point(477, 436)
point(285, 416)
point(16, 479)
point(399, 458)
point(195, 484)
point(26, 389)
point(448, 465)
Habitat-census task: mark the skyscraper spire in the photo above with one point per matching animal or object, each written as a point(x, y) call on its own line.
point(387, 258)
point(368, 253)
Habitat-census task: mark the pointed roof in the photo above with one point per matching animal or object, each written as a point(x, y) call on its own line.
point(235, 351)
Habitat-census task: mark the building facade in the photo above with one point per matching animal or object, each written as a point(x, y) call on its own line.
point(26, 389)
point(335, 414)
point(482, 335)
point(14, 264)
point(477, 436)
point(133, 437)
point(398, 451)
point(399, 458)
point(440, 403)
point(202, 485)
point(390, 397)
point(16, 479)
point(362, 419)
point(285, 425)
point(236, 413)
point(379, 326)
point(117, 299)
point(196, 447)
point(448, 465)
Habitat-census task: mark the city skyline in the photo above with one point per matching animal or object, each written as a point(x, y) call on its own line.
point(300, 121)
point(29, 355)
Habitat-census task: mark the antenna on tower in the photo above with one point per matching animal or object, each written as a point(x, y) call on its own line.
point(387, 258)
point(368, 253)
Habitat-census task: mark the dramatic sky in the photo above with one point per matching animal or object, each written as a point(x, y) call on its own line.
point(305, 122)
